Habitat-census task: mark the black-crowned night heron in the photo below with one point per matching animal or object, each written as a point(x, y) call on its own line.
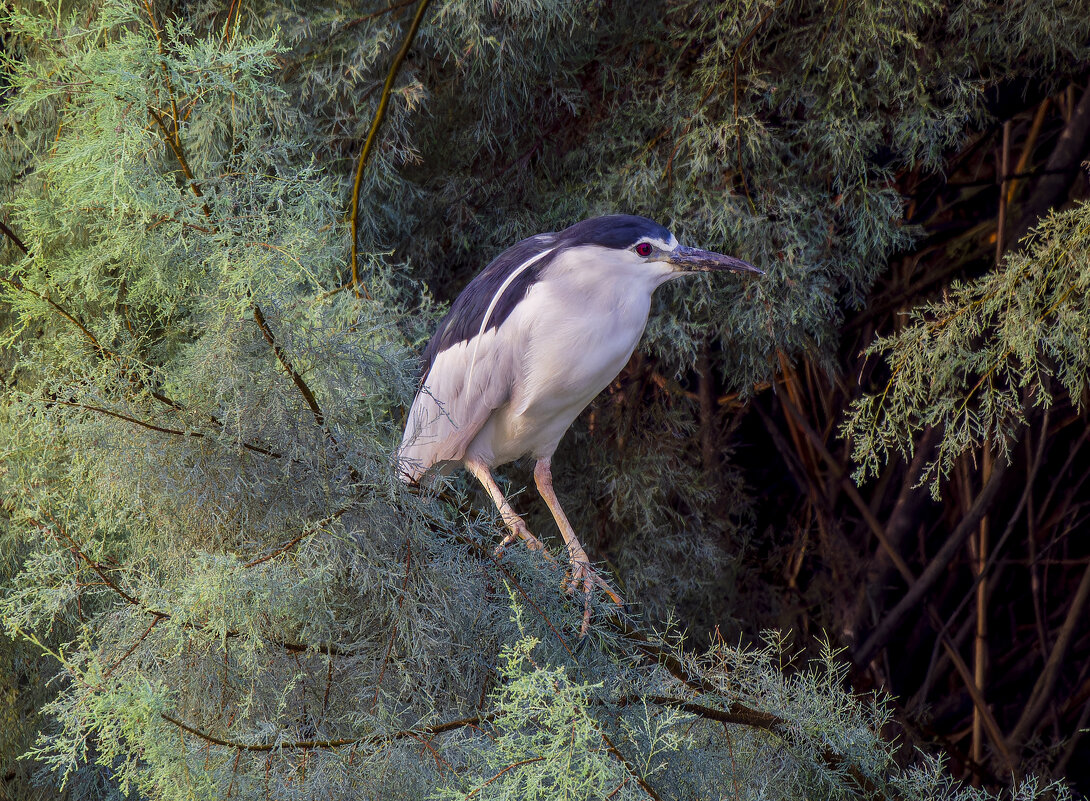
point(529, 343)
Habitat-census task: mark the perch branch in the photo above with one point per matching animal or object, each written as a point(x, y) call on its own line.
point(374, 739)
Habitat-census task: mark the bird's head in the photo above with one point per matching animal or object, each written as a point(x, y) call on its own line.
point(642, 246)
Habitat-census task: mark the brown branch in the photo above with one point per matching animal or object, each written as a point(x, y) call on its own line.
point(1069, 151)
point(126, 418)
point(101, 351)
point(369, 143)
point(440, 763)
point(628, 766)
point(374, 739)
point(373, 15)
point(306, 532)
point(90, 562)
point(656, 653)
point(980, 707)
point(935, 569)
point(259, 317)
point(509, 767)
point(132, 647)
point(1027, 149)
point(736, 714)
point(166, 73)
point(328, 649)
point(161, 429)
point(12, 236)
point(175, 145)
point(1046, 683)
point(297, 379)
point(901, 518)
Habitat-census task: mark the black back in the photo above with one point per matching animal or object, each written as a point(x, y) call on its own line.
point(463, 321)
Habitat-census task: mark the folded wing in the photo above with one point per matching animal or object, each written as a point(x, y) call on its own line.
point(472, 360)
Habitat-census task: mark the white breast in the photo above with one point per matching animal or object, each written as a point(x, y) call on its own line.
point(579, 327)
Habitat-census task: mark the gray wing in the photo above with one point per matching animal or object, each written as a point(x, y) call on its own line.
point(492, 295)
point(471, 359)
point(466, 383)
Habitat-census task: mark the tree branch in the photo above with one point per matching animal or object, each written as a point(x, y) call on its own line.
point(1046, 682)
point(509, 767)
point(327, 649)
point(628, 766)
point(306, 532)
point(297, 379)
point(1062, 164)
point(369, 143)
point(161, 429)
point(934, 570)
point(11, 235)
point(374, 739)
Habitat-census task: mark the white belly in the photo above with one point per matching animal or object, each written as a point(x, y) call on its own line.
point(574, 346)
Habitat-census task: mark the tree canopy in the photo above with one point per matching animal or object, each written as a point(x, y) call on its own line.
point(846, 502)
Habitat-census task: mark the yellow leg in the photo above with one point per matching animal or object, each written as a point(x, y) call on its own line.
point(515, 524)
point(581, 569)
point(543, 477)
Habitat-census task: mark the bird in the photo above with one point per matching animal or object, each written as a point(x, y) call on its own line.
point(528, 344)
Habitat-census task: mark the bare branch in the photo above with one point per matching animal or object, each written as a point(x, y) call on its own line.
point(297, 379)
point(372, 137)
point(374, 739)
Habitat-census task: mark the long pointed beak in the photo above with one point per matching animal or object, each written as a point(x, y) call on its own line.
point(704, 261)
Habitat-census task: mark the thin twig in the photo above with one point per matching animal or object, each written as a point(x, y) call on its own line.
point(512, 766)
point(374, 739)
point(11, 235)
point(369, 143)
point(296, 378)
point(166, 73)
point(1046, 682)
point(175, 144)
point(967, 525)
point(374, 15)
point(155, 619)
point(118, 415)
point(152, 427)
point(310, 529)
point(57, 528)
point(934, 570)
point(328, 649)
point(628, 766)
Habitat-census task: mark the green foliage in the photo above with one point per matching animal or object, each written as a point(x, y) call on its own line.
point(972, 364)
point(213, 584)
point(547, 744)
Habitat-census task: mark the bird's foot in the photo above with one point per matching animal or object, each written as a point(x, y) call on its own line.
point(519, 531)
point(585, 576)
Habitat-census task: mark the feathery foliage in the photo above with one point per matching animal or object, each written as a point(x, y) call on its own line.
point(972, 364)
point(212, 582)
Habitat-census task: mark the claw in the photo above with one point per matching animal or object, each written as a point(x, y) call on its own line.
point(586, 609)
point(585, 575)
point(518, 532)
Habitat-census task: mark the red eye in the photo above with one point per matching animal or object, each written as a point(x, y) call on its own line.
point(644, 249)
